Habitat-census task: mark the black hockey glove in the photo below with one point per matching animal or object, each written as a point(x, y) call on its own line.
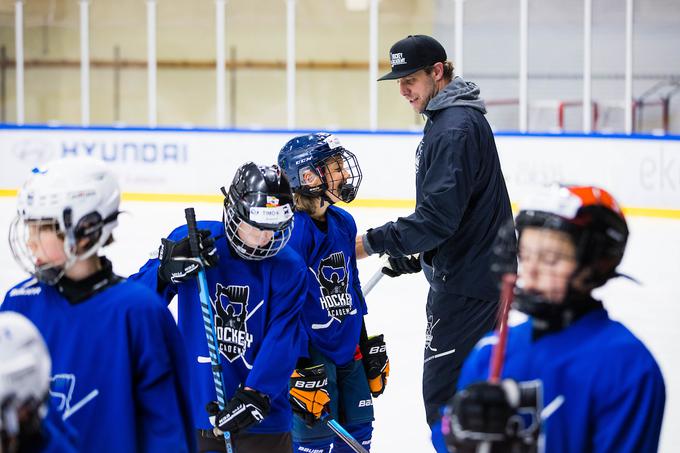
point(244, 409)
point(376, 364)
point(177, 265)
point(402, 265)
point(308, 393)
point(486, 412)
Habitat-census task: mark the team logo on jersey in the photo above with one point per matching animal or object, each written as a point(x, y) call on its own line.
point(334, 280)
point(62, 387)
point(230, 307)
point(419, 152)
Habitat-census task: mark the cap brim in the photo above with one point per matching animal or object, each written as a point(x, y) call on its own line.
point(399, 74)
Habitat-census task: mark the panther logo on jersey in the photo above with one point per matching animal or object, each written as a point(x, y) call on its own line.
point(334, 281)
point(230, 307)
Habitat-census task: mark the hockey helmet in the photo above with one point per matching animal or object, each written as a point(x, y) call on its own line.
point(258, 204)
point(594, 222)
point(77, 197)
point(25, 368)
point(315, 152)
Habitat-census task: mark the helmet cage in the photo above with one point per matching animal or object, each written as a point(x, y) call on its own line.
point(90, 228)
point(232, 226)
point(346, 190)
point(315, 152)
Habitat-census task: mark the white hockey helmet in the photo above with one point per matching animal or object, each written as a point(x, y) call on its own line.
point(80, 196)
point(25, 368)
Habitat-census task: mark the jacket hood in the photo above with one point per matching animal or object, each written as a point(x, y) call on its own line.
point(458, 93)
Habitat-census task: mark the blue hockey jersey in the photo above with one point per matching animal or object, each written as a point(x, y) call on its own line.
point(602, 389)
point(117, 366)
point(57, 436)
point(257, 319)
point(335, 306)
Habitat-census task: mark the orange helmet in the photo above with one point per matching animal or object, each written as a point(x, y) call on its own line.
point(591, 216)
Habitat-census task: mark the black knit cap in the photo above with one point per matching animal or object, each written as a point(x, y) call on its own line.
point(412, 54)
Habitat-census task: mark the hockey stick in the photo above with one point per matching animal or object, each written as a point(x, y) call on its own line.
point(342, 433)
point(376, 277)
point(498, 350)
point(208, 318)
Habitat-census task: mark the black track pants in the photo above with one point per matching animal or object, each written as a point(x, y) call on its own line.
point(455, 324)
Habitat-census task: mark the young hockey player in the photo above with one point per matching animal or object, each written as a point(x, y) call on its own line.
point(117, 356)
point(573, 379)
point(257, 288)
point(322, 173)
point(24, 390)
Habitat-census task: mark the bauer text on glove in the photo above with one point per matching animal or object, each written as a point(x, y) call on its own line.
point(246, 408)
point(376, 363)
point(308, 394)
point(177, 264)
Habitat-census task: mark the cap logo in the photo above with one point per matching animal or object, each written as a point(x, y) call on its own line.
point(397, 59)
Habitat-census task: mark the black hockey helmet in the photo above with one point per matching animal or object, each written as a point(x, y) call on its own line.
point(259, 197)
point(314, 152)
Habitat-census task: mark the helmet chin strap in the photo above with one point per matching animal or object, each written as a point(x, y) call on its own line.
point(549, 316)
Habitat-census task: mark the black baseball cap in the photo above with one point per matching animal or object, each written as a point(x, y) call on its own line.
point(412, 54)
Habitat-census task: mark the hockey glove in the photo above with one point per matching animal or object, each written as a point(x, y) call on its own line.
point(376, 364)
point(177, 265)
point(402, 265)
point(486, 412)
point(308, 395)
point(246, 408)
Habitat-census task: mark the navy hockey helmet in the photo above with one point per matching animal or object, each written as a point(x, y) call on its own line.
point(318, 153)
point(258, 211)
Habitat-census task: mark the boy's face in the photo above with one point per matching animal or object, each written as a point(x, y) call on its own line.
point(252, 236)
point(547, 262)
point(45, 243)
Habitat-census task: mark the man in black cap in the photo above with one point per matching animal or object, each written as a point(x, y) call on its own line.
point(461, 202)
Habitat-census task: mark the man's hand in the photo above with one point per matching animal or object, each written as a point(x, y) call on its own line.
point(376, 364)
point(402, 265)
point(246, 408)
point(177, 264)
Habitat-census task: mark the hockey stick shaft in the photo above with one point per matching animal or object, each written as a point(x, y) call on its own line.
point(208, 320)
point(498, 351)
point(343, 434)
point(376, 277)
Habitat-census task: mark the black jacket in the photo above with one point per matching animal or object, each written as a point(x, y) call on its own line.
point(461, 198)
